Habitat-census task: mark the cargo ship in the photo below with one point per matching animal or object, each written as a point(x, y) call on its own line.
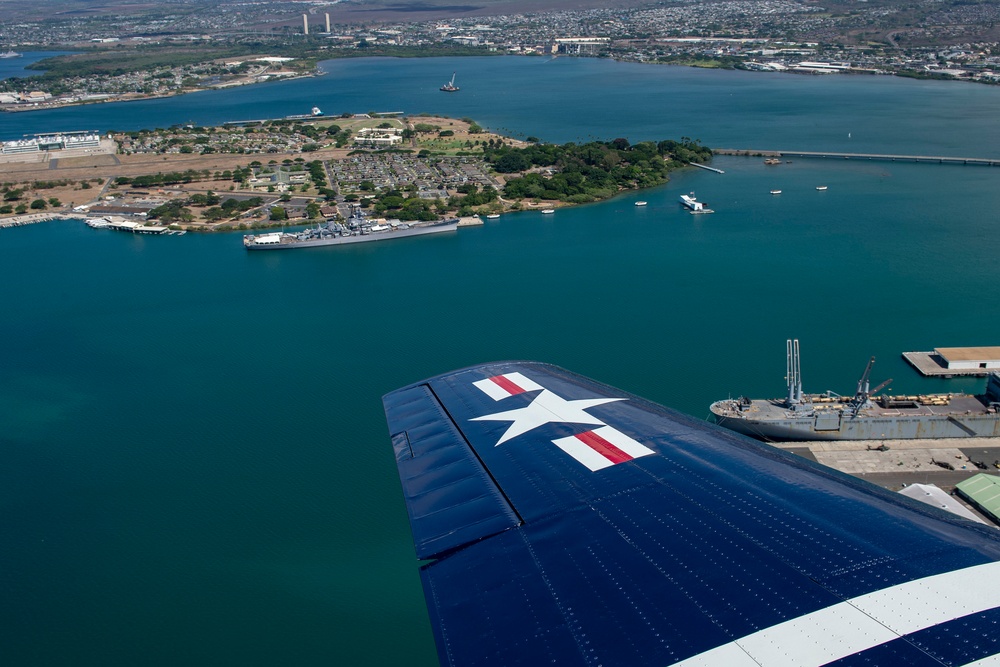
point(830, 416)
point(334, 233)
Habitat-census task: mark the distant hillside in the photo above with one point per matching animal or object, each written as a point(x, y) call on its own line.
point(349, 11)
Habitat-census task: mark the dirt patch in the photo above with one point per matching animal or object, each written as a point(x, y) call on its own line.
point(86, 161)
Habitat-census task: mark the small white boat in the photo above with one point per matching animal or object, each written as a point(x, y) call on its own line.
point(821, 187)
point(640, 203)
point(493, 216)
point(775, 192)
point(548, 210)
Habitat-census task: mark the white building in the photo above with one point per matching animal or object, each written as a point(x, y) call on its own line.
point(815, 67)
point(581, 45)
point(379, 136)
point(964, 358)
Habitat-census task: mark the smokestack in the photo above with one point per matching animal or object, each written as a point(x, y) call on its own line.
point(305, 24)
point(328, 23)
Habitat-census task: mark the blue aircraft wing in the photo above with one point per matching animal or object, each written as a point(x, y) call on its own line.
point(568, 522)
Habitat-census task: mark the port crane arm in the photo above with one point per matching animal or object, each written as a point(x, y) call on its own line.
point(863, 382)
point(861, 396)
point(881, 386)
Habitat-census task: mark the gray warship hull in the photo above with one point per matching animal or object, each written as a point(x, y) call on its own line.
point(829, 416)
point(777, 424)
point(277, 241)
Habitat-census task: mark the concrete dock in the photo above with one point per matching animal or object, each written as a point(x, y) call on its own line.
point(926, 364)
point(932, 364)
point(32, 218)
point(906, 462)
point(705, 166)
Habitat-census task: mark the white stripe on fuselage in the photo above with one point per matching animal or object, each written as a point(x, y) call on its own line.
point(863, 622)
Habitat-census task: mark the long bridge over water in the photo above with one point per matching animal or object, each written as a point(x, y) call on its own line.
point(989, 162)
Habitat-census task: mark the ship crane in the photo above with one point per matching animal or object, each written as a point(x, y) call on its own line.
point(450, 87)
point(862, 397)
point(882, 386)
point(863, 382)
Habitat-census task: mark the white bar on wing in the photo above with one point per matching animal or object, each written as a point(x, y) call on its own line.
point(623, 442)
point(863, 622)
point(491, 389)
point(582, 453)
point(498, 391)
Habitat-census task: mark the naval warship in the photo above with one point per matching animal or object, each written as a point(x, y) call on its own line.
point(356, 230)
point(864, 416)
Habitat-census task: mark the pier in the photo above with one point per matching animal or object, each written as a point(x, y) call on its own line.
point(939, 159)
point(705, 166)
point(32, 218)
point(950, 362)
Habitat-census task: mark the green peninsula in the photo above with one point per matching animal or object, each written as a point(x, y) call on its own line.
point(578, 174)
point(304, 170)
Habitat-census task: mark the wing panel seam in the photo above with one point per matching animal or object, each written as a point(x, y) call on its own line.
point(458, 429)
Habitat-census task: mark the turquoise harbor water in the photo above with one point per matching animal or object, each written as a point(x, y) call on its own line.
point(194, 466)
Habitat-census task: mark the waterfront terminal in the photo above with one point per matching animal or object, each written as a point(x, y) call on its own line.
point(949, 362)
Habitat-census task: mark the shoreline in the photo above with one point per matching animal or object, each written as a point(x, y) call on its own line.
point(28, 107)
point(509, 207)
point(316, 71)
point(67, 177)
point(33, 218)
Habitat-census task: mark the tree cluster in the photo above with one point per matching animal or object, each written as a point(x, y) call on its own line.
point(231, 208)
point(172, 211)
point(169, 178)
point(395, 203)
point(592, 171)
point(470, 196)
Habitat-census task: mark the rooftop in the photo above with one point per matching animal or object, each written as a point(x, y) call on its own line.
point(951, 354)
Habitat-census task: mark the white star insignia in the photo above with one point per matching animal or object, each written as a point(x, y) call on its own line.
point(546, 408)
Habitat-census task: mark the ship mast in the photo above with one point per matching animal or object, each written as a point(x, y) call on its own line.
point(793, 372)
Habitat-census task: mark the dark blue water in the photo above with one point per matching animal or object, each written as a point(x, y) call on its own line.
point(195, 467)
